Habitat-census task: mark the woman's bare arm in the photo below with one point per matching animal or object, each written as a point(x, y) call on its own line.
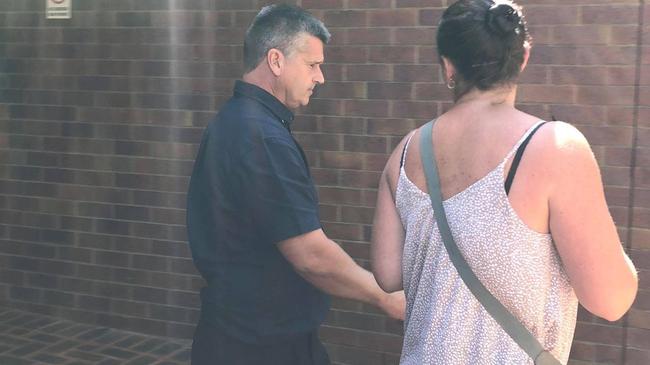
point(601, 274)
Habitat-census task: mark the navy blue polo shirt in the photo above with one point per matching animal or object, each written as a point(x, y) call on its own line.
point(250, 189)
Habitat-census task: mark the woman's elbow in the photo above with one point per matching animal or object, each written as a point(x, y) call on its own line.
point(613, 305)
point(388, 283)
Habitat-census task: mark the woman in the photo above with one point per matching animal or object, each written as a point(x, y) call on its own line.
point(540, 243)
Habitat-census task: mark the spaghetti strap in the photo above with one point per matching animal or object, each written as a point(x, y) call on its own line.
point(519, 153)
point(406, 146)
point(403, 158)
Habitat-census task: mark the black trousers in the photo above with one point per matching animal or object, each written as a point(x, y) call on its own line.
point(212, 347)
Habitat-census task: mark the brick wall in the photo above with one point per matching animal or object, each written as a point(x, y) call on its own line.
point(100, 117)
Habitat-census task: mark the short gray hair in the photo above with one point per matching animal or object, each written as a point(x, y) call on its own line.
point(279, 26)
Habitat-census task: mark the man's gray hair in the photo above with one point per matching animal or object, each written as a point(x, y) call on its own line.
point(279, 27)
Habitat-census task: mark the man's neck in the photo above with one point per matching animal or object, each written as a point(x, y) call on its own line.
point(262, 80)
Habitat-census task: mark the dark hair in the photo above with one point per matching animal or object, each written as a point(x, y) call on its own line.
point(279, 26)
point(485, 41)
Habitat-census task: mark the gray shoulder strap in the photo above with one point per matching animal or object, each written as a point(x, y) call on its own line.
point(508, 322)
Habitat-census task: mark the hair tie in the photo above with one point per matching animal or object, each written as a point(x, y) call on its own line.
point(502, 19)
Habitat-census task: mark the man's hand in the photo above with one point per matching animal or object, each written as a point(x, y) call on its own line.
point(394, 304)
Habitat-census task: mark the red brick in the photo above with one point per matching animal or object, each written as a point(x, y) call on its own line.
point(368, 72)
point(620, 116)
point(414, 109)
point(607, 55)
point(553, 55)
point(645, 75)
point(357, 215)
point(360, 179)
point(642, 177)
point(615, 176)
point(365, 4)
point(338, 231)
point(419, 3)
point(620, 215)
point(347, 54)
point(546, 94)
point(613, 95)
point(322, 4)
point(417, 36)
point(534, 74)
point(624, 35)
point(580, 114)
point(332, 71)
point(641, 240)
point(618, 156)
point(342, 125)
point(390, 91)
point(430, 17)
point(320, 142)
point(614, 14)
point(325, 176)
point(641, 218)
point(320, 106)
point(305, 123)
point(428, 55)
point(331, 195)
point(341, 90)
point(572, 75)
point(393, 17)
point(428, 91)
point(366, 108)
point(644, 117)
point(600, 334)
point(342, 160)
point(637, 357)
point(416, 73)
point(365, 144)
point(643, 156)
point(375, 162)
point(368, 36)
point(395, 127)
point(346, 18)
point(594, 352)
point(617, 196)
point(549, 15)
point(541, 35)
point(644, 95)
point(392, 54)
point(581, 34)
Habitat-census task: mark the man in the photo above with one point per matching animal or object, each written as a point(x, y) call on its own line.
point(252, 214)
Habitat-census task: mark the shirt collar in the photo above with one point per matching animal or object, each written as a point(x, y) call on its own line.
point(269, 101)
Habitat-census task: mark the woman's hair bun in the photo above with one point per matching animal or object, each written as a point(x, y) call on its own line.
point(502, 19)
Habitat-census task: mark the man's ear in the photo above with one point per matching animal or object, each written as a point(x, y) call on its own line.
point(275, 60)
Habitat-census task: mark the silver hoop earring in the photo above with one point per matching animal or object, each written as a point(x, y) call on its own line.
point(451, 84)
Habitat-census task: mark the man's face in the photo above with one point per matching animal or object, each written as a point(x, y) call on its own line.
point(302, 71)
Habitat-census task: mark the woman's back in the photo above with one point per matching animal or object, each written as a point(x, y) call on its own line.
point(445, 323)
point(505, 237)
point(472, 139)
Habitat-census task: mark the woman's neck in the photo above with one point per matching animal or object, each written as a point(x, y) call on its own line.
point(503, 96)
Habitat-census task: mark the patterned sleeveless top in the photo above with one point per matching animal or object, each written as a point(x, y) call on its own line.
point(445, 323)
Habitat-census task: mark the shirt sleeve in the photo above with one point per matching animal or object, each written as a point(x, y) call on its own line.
point(278, 191)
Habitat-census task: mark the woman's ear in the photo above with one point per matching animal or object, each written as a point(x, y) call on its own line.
point(275, 61)
point(448, 69)
point(527, 48)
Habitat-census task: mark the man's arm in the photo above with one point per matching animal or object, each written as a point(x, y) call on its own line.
point(324, 264)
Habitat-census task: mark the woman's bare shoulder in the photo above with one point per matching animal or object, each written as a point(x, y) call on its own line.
point(391, 170)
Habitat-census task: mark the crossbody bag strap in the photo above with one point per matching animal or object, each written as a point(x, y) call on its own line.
point(508, 322)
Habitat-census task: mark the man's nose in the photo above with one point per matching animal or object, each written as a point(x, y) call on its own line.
point(320, 78)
